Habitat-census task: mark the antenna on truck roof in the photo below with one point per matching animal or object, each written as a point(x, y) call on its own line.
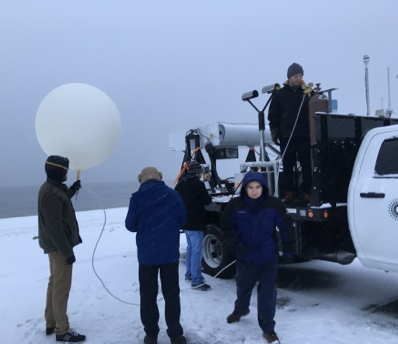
point(366, 61)
point(389, 109)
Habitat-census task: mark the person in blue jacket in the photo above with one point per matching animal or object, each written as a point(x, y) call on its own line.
point(156, 213)
point(257, 227)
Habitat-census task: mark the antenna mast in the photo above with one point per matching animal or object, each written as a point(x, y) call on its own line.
point(366, 61)
point(389, 110)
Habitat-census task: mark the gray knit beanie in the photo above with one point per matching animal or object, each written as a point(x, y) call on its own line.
point(294, 69)
point(194, 167)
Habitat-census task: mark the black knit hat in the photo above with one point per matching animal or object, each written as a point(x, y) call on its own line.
point(194, 167)
point(294, 69)
point(56, 167)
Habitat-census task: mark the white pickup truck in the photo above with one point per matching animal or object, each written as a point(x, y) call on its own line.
point(353, 210)
point(372, 202)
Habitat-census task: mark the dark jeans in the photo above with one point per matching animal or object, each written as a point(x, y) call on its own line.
point(301, 147)
point(246, 277)
point(148, 275)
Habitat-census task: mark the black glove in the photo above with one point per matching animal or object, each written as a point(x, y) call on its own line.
point(275, 136)
point(287, 258)
point(242, 250)
point(75, 187)
point(70, 260)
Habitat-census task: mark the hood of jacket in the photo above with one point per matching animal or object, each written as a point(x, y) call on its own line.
point(151, 193)
point(286, 83)
point(250, 177)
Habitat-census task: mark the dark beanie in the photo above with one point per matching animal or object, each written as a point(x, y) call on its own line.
point(194, 167)
point(56, 167)
point(294, 69)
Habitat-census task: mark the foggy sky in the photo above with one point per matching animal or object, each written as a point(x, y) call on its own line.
point(171, 65)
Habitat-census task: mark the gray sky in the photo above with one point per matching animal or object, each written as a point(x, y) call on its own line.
point(171, 65)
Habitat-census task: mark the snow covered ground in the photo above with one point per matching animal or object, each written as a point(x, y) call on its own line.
point(318, 302)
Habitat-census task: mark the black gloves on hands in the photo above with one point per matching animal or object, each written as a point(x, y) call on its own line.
point(275, 136)
point(70, 260)
point(75, 187)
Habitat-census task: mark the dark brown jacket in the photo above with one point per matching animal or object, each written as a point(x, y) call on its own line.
point(58, 227)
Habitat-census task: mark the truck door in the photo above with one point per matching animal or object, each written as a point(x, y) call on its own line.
point(373, 199)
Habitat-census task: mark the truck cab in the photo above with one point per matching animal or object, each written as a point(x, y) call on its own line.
point(373, 199)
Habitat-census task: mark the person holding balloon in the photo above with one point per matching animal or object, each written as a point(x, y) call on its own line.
point(81, 122)
point(58, 235)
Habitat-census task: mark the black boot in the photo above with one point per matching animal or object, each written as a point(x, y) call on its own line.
point(150, 340)
point(49, 330)
point(179, 340)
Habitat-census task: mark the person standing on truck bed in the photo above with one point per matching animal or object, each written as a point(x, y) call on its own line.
point(290, 129)
point(249, 225)
point(156, 213)
point(195, 196)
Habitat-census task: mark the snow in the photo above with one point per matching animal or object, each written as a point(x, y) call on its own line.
point(318, 302)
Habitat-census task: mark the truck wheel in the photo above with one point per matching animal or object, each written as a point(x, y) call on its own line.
point(215, 257)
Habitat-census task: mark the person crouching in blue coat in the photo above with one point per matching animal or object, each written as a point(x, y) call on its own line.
point(156, 213)
point(256, 226)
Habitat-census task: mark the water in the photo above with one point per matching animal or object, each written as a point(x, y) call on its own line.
point(22, 200)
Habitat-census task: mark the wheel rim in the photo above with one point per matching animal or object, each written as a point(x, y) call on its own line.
point(212, 251)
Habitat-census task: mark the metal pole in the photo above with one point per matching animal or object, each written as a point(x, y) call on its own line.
point(330, 105)
point(366, 61)
point(388, 78)
point(261, 128)
point(389, 110)
point(262, 148)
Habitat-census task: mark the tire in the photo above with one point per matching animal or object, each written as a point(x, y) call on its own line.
point(215, 257)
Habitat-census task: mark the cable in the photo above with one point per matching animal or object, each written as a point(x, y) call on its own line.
point(294, 127)
point(224, 268)
point(95, 248)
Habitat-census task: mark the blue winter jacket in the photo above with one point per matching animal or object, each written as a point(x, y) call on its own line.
point(250, 225)
point(156, 213)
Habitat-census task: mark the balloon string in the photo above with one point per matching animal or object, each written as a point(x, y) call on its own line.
point(95, 249)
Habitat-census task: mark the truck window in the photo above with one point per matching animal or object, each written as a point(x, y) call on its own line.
point(387, 162)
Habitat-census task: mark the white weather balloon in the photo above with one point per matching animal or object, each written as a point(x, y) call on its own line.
point(80, 122)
